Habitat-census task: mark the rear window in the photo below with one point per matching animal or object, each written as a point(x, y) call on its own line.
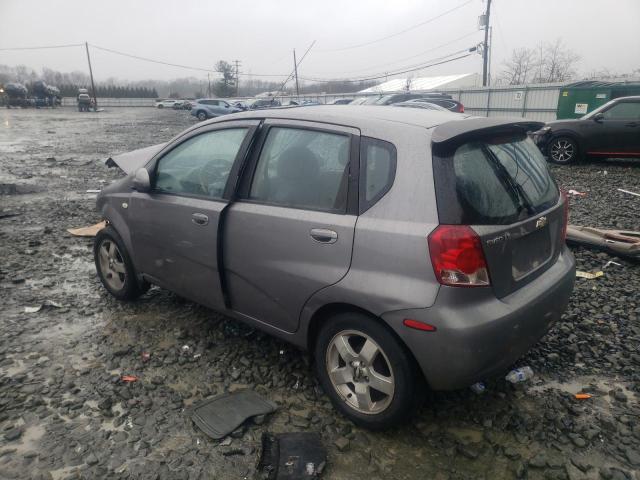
point(496, 181)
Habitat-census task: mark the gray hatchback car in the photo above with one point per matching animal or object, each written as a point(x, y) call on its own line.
point(404, 248)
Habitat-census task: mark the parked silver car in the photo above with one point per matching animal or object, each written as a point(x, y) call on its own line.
point(404, 248)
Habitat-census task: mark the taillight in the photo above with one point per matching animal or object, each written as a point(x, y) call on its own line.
point(460, 108)
point(457, 256)
point(565, 214)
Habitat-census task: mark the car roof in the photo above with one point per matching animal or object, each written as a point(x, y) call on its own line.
point(354, 115)
point(634, 98)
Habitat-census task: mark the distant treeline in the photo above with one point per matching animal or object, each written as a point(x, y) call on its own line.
point(110, 91)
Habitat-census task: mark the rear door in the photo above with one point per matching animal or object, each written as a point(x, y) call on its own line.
point(174, 228)
point(291, 231)
point(500, 186)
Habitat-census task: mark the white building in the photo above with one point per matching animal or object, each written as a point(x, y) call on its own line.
point(421, 84)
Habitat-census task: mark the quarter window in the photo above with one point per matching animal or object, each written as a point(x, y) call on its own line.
point(303, 169)
point(377, 170)
point(201, 164)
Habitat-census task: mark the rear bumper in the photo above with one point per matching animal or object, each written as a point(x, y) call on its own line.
point(479, 335)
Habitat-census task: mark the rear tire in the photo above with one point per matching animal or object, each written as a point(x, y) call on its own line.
point(114, 266)
point(563, 151)
point(367, 373)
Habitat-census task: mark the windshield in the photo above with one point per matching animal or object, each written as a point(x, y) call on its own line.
point(598, 110)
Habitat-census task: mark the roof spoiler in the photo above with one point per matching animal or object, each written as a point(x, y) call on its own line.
point(459, 131)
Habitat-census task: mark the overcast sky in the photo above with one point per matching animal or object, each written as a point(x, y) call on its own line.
point(263, 33)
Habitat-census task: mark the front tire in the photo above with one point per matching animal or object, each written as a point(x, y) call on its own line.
point(202, 116)
point(367, 373)
point(563, 151)
point(114, 266)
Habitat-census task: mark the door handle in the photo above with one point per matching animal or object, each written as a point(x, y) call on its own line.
point(199, 218)
point(324, 235)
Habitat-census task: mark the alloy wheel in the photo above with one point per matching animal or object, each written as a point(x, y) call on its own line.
point(360, 372)
point(112, 264)
point(563, 150)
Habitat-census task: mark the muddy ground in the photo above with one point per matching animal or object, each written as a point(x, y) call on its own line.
point(65, 413)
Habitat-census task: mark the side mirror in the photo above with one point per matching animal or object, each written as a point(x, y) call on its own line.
point(598, 117)
point(141, 180)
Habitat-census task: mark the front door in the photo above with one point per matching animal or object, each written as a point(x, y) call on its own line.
point(290, 233)
point(618, 132)
point(174, 228)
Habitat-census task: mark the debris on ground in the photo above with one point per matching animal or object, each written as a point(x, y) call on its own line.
point(589, 275)
point(611, 262)
point(576, 193)
point(629, 192)
point(582, 396)
point(519, 375)
point(90, 231)
point(478, 387)
point(129, 378)
point(221, 415)
point(44, 305)
point(619, 242)
point(289, 456)
point(9, 214)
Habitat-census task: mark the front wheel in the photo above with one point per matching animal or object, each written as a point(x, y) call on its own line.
point(563, 150)
point(366, 371)
point(114, 266)
point(202, 116)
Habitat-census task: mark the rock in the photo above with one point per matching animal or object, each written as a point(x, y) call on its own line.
point(91, 459)
point(341, 443)
point(619, 396)
point(633, 456)
point(511, 453)
point(13, 434)
point(538, 461)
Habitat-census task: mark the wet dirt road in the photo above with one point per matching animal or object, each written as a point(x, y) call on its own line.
point(64, 413)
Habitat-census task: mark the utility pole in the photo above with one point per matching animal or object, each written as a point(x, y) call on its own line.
point(209, 85)
point(237, 62)
point(93, 87)
point(295, 69)
point(485, 50)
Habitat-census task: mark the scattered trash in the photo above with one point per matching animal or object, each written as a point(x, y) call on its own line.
point(45, 304)
point(582, 396)
point(611, 262)
point(90, 231)
point(226, 442)
point(478, 388)
point(221, 415)
point(588, 275)
point(519, 375)
point(576, 193)
point(618, 242)
point(629, 192)
point(185, 348)
point(129, 378)
point(9, 214)
point(289, 456)
point(146, 356)
point(93, 191)
point(197, 355)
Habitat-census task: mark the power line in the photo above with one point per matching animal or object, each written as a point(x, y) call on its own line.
point(475, 32)
point(294, 71)
point(413, 27)
point(383, 75)
point(44, 47)
point(187, 67)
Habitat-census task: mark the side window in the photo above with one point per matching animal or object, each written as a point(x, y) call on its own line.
point(201, 164)
point(377, 170)
point(623, 111)
point(303, 169)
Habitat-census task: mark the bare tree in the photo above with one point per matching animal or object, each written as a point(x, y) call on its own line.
point(548, 62)
point(517, 70)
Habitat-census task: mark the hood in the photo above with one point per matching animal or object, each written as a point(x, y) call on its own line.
point(131, 161)
point(565, 121)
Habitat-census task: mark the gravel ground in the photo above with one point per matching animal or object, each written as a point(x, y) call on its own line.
point(65, 413)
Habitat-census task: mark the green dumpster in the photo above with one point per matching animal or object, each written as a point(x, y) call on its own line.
point(577, 99)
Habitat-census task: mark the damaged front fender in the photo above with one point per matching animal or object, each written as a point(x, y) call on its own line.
point(130, 161)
